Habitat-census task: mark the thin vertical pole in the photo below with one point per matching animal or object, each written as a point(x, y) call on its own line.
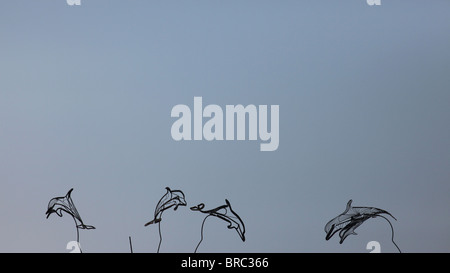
point(131, 246)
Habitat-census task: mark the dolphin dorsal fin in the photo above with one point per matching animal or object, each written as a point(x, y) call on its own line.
point(349, 206)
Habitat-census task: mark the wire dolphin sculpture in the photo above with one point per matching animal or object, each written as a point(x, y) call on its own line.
point(172, 198)
point(346, 222)
point(224, 212)
point(65, 204)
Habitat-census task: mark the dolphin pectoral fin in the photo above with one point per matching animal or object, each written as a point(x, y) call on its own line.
point(154, 221)
point(82, 226)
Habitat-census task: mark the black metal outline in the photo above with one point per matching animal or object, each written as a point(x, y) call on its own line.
point(346, 222)
point(65, 203)
point(172, 198)
point(233, 220)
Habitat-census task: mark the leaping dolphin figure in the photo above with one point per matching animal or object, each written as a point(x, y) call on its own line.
point(65, 204)
point(172, 198)
point(226, 213)
point(346, 222)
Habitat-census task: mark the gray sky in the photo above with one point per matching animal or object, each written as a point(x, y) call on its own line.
point(86, 94)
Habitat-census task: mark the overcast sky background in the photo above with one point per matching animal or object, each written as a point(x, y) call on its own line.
point(86, 94)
